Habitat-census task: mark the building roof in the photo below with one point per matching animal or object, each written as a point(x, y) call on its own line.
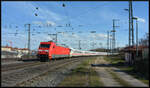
point(6, 47)
point(133, 48)
point(15, 48)
point(24, 49)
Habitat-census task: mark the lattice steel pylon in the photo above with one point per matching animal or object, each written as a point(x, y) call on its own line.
point(113, 35)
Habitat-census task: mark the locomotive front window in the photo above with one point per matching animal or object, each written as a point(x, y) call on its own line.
point(44, 45)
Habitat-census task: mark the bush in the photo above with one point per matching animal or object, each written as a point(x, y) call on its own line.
point(142, 66)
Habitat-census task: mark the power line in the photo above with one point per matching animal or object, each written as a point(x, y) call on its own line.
point(55, 37)
point(66, 13)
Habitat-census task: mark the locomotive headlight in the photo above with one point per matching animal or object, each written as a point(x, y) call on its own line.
point(46, 50)
point(40, 50)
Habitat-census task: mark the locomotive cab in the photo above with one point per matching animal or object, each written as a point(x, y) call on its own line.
point(43, 51)
point(50, 51)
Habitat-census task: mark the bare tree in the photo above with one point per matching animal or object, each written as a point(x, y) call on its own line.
point(144, 41)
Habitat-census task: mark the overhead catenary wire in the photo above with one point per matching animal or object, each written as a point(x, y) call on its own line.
point(66, 13)
point(68, 19)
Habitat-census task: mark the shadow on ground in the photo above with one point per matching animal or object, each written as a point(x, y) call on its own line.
point(110, 65)
point(30, 60)
point(122, 65)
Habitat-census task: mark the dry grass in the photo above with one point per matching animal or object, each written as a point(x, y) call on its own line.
point(82, 76)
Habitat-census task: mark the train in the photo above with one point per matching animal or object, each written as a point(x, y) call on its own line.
point(50, 51)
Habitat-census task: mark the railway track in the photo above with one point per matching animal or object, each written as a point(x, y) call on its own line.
point(53, 69)
point(18, 66)
point(14, 78)
point(9, 59)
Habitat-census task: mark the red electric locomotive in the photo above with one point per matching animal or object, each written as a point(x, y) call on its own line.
point(49, 50)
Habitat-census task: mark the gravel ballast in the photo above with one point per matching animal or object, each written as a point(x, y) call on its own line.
point(51, 78)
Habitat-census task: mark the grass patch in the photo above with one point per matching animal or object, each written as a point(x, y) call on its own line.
point(137, 75)
point(94, 79)
point(82, 76)
point(131, 71)
point(115, 60)
point(145, 81)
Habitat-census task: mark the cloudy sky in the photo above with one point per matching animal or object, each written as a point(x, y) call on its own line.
point(72, 23)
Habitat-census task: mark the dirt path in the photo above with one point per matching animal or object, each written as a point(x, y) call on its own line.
point(111, 76)
point(105, 76)
point(128, 78)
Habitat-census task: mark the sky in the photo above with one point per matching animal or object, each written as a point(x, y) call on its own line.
point(50, 17)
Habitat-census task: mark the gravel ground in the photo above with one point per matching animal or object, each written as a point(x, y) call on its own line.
point(51, 78)
point(14, 65)
point(10, 78)
point(28, 76)
point(11, 62)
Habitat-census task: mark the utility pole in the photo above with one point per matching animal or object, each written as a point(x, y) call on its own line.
point(129, 25)
point(113, 35)
point(110, 44)
point(55, 37)
point(131, 38)
point(129, 10)
point(10, 43)
point(130, 17)
point(136, 38)
point(79, 44)
point(129, 30)
point(132, 31)
point(28, 38)
point(132, 24)
point(136, 35)
point(92, 44)
point(107, 42)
